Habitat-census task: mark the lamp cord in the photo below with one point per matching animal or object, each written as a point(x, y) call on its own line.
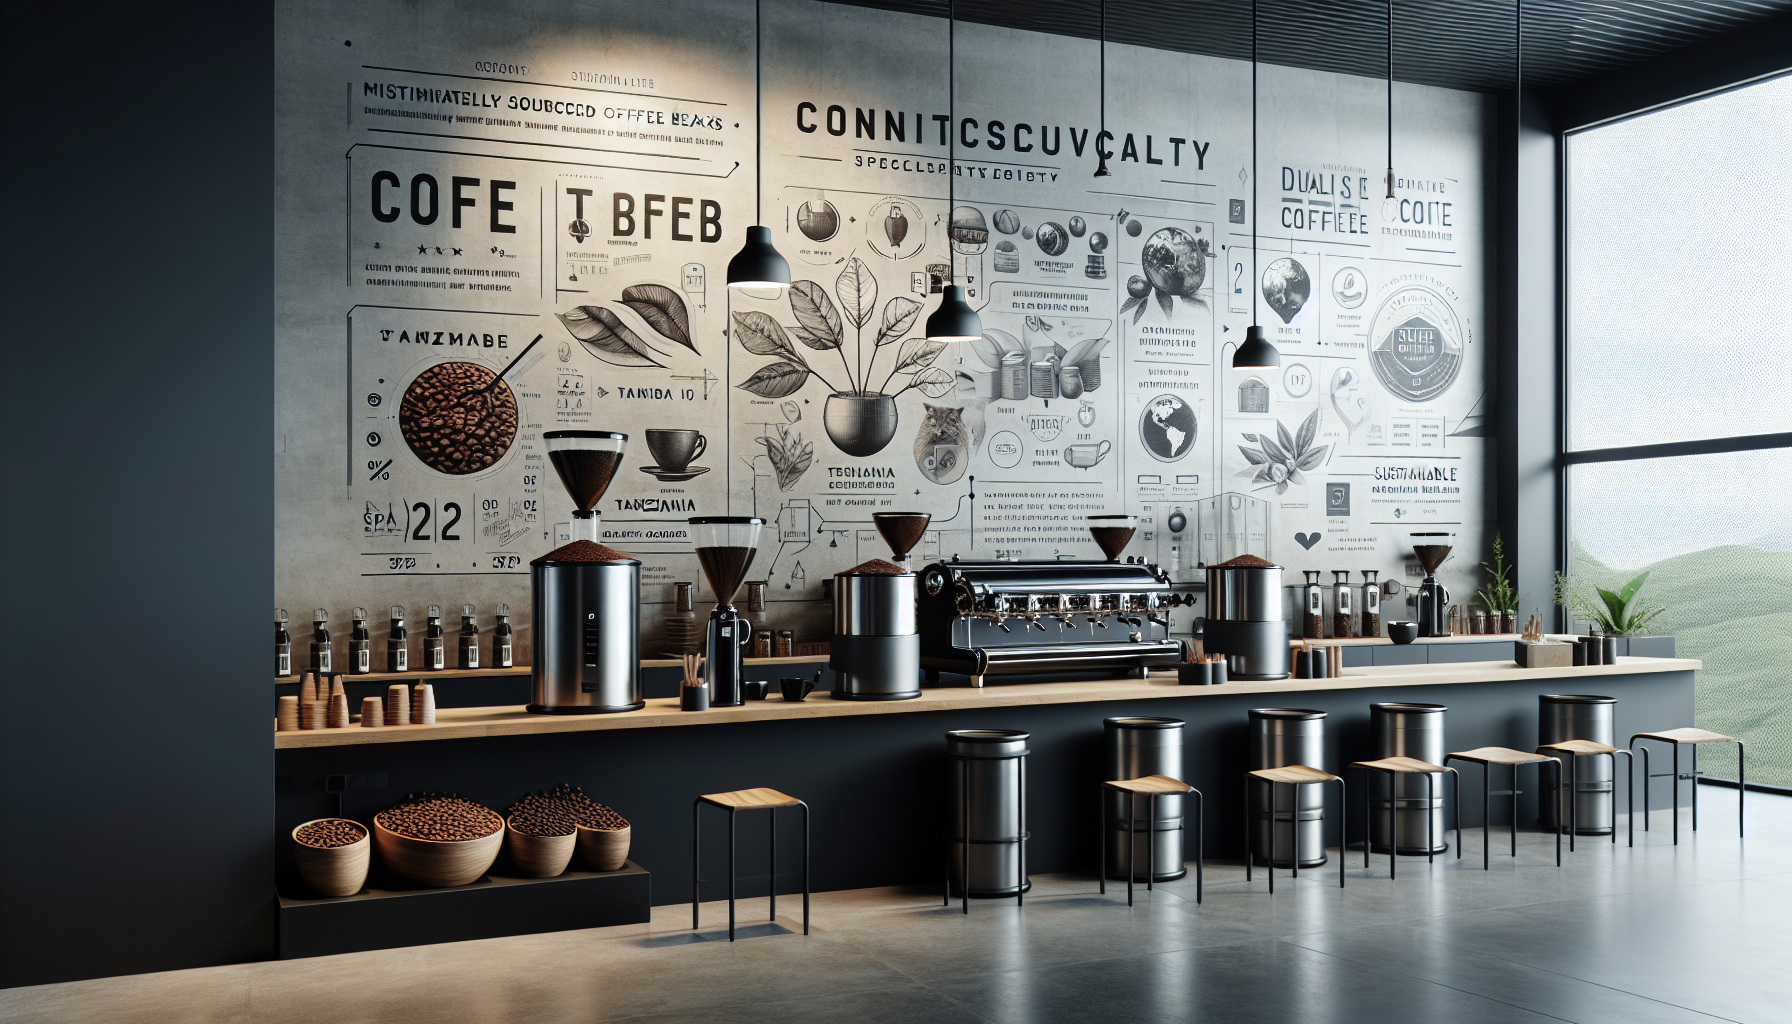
point(1390, 99)
point(1255, 288)
point(758, 122)
point(952, 112)
point(1104, 75)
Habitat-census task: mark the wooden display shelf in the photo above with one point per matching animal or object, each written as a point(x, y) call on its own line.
point(472, 723)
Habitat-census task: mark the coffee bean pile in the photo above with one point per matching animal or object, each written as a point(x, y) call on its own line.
point(449, 427)
point(878, 567)
point(583, 551)
point(556, 811)
point(447, 819)
point(331, 833)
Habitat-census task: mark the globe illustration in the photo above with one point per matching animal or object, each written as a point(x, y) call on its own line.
point(1168, 428)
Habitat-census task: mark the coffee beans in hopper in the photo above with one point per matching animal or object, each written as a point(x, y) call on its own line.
point(330, 833)
point(441, 818)
point(450, 426)
point(556, 811)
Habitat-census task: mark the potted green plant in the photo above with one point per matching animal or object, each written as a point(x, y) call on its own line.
point(1614, 613)
point(1498, 596)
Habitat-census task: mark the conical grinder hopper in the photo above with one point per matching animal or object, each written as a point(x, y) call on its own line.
point(902, 531)
point(1113, 533)
point(1432, 549)
point(725, 547)
point(586, 461)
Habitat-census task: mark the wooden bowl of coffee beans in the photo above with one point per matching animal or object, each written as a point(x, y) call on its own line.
point(438, 840)
point(332, 855)
point(539, 836)
point(603, 835)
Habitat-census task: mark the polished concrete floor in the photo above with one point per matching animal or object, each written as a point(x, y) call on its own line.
point(1698, 932)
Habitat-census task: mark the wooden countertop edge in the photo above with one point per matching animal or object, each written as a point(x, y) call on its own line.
point(473, 723)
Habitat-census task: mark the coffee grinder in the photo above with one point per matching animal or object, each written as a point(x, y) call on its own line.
point(1434, 600)
point(587, 597)
point(725, 548)
point(876, 650)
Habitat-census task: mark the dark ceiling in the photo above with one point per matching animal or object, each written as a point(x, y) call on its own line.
point(1461, 44)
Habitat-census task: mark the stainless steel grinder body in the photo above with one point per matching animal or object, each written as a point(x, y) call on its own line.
point(1245, 621)
point(876, 649)
point(1407, 730)
point(1281, 737)
point(990, 765)
point(587, 619)
point(1135, 748)
point(1567, 716)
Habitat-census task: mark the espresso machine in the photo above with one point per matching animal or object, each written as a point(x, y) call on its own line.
point(725, 548)
point(876, 653)
point(587, 597)
point(1047, 617)
point(1434, 600)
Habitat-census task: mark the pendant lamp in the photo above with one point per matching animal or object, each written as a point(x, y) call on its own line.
point(1101, 166)
point(758, 264)
point(1256, 353)
point(1390, 99)
point(954, 320)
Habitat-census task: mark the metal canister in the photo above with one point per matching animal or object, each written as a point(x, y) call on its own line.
point(1244, 620)
point(1568, 716)
point(587, 621)
point(987, 806)
point(1281, 737)
point(876, 651)
point(1400, 729)
point(1135, 748)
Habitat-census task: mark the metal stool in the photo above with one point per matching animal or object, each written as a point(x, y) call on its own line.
point(1690, 737)
point(733, 803)
point(1394, 767)
point(1487, 757)
point(1575, 750)
point(1151, 786)
point(1295, 775)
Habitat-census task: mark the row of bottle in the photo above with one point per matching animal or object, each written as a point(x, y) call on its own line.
point(1343, 615)
point(398, 646)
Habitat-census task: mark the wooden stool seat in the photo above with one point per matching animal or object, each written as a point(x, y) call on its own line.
point(1150, 785)
point(750, 799)
point(1498, 755)
point(1579, 747)
point(1402, 766)
point(1687, 735)
point(1294, 774)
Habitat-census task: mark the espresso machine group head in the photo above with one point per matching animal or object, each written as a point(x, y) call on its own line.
point(725, 547)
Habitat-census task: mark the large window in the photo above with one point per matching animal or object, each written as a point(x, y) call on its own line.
point(1679, 395)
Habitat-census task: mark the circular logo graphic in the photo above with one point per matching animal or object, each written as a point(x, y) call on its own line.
point(1417, 342)
point(1297, 380)
point(1052, 239)
point(818, 220)
point(895, 228)
point(1005, 449)
point(1167, 427)
point(1286, 287)
point(1349, 287)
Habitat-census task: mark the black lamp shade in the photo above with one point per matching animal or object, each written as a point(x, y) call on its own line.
point(758, 264)
point(1256, 353)
point(955, 320)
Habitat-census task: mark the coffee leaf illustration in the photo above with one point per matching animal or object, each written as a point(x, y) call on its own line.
point(934, 382)
point(663, 309)
point(1274, 451)
point(1084, 351)
point(762, 336)
point(900, 314)
point(1286, 439)
point(1309, 428)
point(1253, 456)
point(1312, 459)
point(916, 353)
point(1166, 301)
point(776, 380)
point(608, 338)
point(816, 313)
point(857, 289)
point(988, 351)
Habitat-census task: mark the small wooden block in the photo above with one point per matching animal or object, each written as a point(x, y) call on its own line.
point(1529, 655)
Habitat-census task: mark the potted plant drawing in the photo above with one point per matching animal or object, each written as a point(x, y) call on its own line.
point(1614, 613)
point(1284, 459)
point(860, 418)
point(1498, 596)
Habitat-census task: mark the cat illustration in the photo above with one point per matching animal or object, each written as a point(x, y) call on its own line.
point(945, 442)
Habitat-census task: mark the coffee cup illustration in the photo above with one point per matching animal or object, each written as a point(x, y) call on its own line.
point(674, 450)
point(1083, 456)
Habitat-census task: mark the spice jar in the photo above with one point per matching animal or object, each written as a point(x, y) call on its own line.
point(435, 654)
point(282, 646)
point(398, 643)
point(469, 637)
point(762, 644)
point(785, 646)
point(1371, 604)
point(1342, 619)
point(360, 645)
point(1313, 621)
point(502, 651)
point(320, 642)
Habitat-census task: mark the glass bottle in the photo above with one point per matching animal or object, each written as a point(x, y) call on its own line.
point(1371, 604)
point(1313, 621)
point(360, 645)
point(282, 646)
point(398, 643)
point(1343, 624)
point(501, 633)
point(469, 637)
point(434, 652)
point(320, 642)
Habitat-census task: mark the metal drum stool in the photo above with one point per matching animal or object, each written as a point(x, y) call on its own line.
point(1572, 751)
point(1397, 766)
point(1487, 757)
point(989, 806)
point(1690, 737)
point(1151, 786)
point(1295, 776)
point(735, 802)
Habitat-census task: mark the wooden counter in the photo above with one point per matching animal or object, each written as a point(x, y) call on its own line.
point(469, 723)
